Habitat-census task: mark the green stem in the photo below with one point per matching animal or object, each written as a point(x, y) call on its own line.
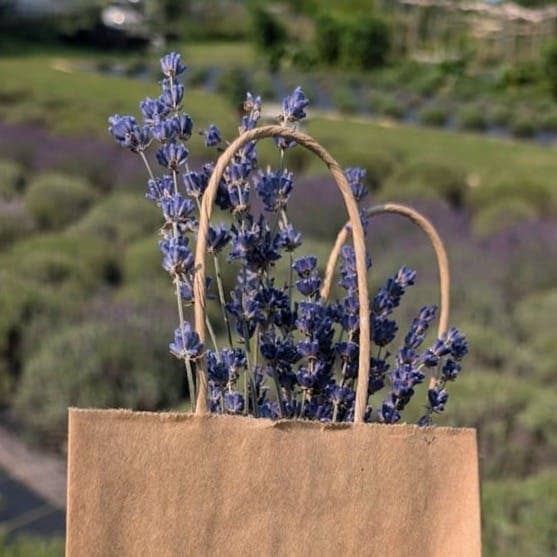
point(222, 299)
point(191, 385)
point(211, 334)
point(146, 162)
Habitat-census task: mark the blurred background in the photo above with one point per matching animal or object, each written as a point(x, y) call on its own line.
point(450, 106)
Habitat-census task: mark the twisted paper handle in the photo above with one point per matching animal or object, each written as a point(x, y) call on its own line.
point(440, 252)
point(358, 240)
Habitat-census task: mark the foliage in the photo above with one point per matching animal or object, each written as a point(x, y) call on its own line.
point(269, 35)
point(232, 84)
point(541, 198)
point(535, 314)
point(433, 115)
point(30, 546)
point(472, 118)
point(520, 516)
point(121, 362)
point(11, 179)
point(502, 214)
point(550, 66)
point(345, 100)
point(55, 200)
point(118, 218)
point(387, 105)
point(447, 182)
point(15, 223)
point(366, 42)
point(523, 125)
point(328, 35)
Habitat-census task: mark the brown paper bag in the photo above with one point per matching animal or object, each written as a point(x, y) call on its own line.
point(146, 484)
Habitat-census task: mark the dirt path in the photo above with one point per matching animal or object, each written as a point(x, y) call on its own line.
point(43, 473)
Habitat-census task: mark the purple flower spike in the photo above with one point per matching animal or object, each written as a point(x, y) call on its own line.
point(186, 343)
point(172, 155)
point(128, 134)
point(293, 106)
point(171, 65)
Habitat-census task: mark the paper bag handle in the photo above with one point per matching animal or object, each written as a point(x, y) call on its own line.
point(359, 247)
point(441, 254)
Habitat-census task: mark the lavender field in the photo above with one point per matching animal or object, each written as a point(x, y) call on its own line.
point(87, 312)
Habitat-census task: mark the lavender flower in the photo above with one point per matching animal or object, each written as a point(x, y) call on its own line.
point(274, 189)
point(183, 126)
point(171, 65)
point(128, 134)
point(172, 95)
point(301, 358)
point(293, 106)
point(252, 108)
point(186, 343)
point(160, 188)
point(178, 210)
point(172, 155)
point(217, 238)
point(154, 111)
point(164, 131)
point(195, 182)
point(289, 238)
point(177, 257)
point(356, 180)
point(212, 136)
point(234, 402)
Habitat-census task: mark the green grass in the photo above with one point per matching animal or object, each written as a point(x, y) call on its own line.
point(52, 90)
point(487, 157)
point(219, 54)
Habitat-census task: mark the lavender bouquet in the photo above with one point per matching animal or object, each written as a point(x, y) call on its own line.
point(289, 352)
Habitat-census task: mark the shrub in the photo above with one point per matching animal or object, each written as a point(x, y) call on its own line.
point(523, 125)
point(538, 196)
point(447, 182)
point(500, 115)
point(23, 546)
point(233, 84)
point(55, 200)
point(269, 36)
point(366, 42)
point(426, 82)
point(519, 516)
point(387, 105)
point(379, 165)
point(15, 223)
point(142, 261)
point(197, 77)
point(65, 258)
point(22, 302)
point(433, 115)
point(119, 218)
point(472, 118)
point(527, 259)
point(328, 35)
point(549, 121)
point(406, 193)
point(11, 179)
point(267, 31)
point(535, 314)
point(550, 66)
point(496, 349)
point(493, 403)
point(345, 100)
point(119, 362)
point(501, 215)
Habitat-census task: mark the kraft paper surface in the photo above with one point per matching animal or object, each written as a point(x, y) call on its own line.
point(147, 484)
